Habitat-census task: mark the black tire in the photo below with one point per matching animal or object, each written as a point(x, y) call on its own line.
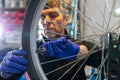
point(33, 68)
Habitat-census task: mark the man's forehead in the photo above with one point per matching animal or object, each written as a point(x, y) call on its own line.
point(50, 10)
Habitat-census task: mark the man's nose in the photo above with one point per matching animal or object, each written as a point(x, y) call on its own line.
point(47, 19)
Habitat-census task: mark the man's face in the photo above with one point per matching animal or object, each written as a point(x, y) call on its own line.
point(53, 22)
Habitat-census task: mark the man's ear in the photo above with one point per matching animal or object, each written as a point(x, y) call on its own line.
point(66, 19)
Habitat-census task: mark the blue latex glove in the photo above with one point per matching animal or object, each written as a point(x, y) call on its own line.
point(61, 48)
point(13, 63)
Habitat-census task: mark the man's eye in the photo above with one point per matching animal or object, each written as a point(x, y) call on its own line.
point(42, 16)
point(53, 15)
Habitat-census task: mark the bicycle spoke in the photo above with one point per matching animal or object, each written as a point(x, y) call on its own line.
point(110, 17)
point(61, 67)
point(78, 37)
point(116, 28)
point(92, 19)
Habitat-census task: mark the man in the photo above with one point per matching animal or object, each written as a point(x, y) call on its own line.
point(55, 19)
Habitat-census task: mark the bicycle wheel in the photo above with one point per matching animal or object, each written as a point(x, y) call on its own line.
point(94, 24)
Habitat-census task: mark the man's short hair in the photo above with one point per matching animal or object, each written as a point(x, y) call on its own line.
point(64, 5)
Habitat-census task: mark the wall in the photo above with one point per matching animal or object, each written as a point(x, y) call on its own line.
point(97, 16)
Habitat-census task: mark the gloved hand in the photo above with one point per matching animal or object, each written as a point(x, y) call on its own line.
point(14, 62)
point(61, 48)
